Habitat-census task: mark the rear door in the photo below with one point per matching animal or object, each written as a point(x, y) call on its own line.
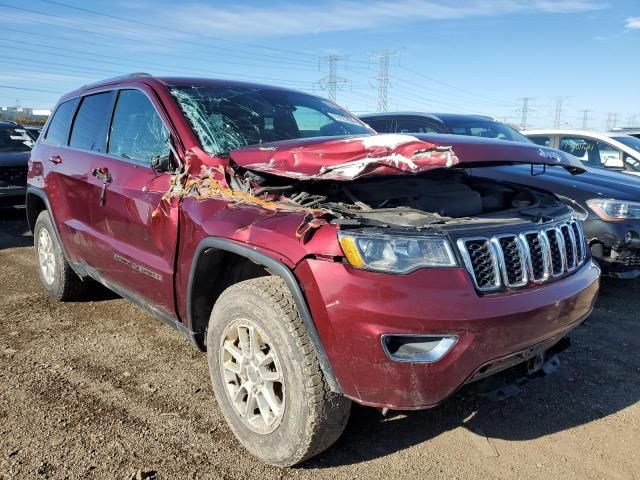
point(74, 138)
point(136, 229)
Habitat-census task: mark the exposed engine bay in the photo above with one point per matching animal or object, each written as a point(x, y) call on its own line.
point(438, 197)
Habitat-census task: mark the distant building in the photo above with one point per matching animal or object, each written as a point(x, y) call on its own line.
point(24, 115)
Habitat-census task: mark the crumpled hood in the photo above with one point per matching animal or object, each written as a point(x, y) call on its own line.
point(347, 158)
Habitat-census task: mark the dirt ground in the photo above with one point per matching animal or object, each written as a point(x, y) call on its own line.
point(99, 389)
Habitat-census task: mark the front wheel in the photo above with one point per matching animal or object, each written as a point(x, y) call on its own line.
point(266, 376)
point(54, 272)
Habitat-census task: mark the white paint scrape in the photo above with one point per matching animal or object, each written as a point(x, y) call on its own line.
point(390, 140)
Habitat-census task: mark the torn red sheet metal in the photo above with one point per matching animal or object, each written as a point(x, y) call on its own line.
point(345, 158)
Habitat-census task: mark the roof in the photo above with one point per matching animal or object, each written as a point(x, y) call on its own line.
point(588, 133)
point(442, 117)
point(171, 81)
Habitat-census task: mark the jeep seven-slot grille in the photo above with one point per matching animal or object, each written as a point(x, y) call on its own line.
point(517, 260)
point(483, 263)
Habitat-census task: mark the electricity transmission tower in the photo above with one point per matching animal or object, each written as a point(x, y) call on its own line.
point(558, 115)
point(585, 118)
point(332, 81)
point(525, 112)
point(612, 120)
point(383, 79)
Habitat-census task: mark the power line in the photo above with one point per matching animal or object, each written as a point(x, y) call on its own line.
point(173, 29)
point(12, 87)
point(128, 33)
point(468, 92)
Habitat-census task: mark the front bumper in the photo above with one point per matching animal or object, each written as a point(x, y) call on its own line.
point(607, 240)
point(352, 309)
point(12, 192)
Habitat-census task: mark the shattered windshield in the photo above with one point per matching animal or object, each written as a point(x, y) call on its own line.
point(226, 118)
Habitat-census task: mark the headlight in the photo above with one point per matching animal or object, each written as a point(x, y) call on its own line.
point(611, 210)
point(395, 253)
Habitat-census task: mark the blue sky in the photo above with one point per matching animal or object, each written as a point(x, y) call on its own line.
point(466, 56)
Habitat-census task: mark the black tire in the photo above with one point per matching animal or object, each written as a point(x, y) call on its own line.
point(65, 284)
point(314, 417)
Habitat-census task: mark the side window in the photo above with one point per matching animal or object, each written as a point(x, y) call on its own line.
point(309, 121)
point(595, 154)
point(541, 140)
point(90, 126)
point(414, 126)
point(381, 126)
point(610, 156)
point(137, 131)
point(58, 130)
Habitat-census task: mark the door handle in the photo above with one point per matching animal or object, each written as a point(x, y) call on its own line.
point(102, 173)
point(56, 159)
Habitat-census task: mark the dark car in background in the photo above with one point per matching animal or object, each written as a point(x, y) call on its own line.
point(453, 123)
point(609, 200)
point(33, 131)
point(15, 148)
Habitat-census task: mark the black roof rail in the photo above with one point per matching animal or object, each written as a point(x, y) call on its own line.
point(120, 77)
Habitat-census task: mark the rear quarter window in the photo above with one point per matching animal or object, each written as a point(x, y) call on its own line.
point(58, 131)
point(381, 126)
point(90, 126)
point(541, 140)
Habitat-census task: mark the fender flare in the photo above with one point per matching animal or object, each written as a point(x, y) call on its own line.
point(276, 268)
point(43, 196)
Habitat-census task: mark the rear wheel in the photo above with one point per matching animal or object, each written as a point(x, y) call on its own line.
point(266, 376)
point(54, 272)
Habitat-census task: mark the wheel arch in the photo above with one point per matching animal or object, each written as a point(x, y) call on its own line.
point(36, 203)
point(221, 257)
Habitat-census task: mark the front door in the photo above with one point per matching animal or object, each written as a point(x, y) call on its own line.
point(136, 229)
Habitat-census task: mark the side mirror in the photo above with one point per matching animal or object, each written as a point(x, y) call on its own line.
point(165, 163)
point(613, 163)
point(631, 163)
point(161, 163)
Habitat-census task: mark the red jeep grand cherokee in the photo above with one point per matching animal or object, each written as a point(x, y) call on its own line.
point(316, 262)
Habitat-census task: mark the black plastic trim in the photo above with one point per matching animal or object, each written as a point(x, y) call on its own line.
point(277, 268)
point(43, 196)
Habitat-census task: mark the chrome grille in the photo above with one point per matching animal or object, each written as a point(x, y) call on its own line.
point(538, 258)
point(484, 264)
point(517, 260)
